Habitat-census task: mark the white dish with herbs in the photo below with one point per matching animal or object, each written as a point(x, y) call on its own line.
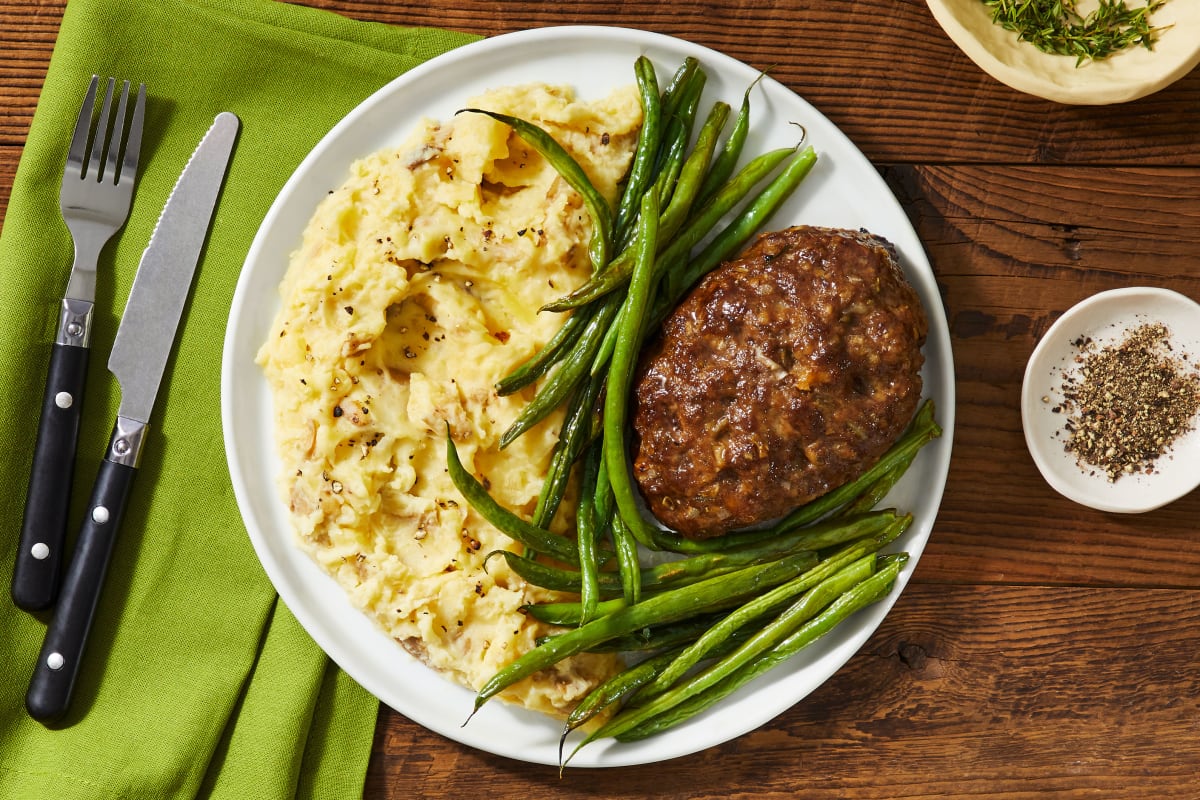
point(1127, 75)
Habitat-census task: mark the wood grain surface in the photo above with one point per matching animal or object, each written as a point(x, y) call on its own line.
point(1042, 649)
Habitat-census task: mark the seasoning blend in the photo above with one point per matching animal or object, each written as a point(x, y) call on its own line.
point(1110, 400)
point(1127, 403)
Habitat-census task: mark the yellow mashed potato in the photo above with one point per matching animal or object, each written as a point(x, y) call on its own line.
point(415, 289)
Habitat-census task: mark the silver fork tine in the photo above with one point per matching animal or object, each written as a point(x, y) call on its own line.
point(83, 126)
point(112, 160)
point(133, 144)
point(98, 141)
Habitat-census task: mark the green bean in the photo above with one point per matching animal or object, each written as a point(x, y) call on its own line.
point(572, 438)
point(758, 538)
point(611, 691)
point(627, 559)
point(738, 232)
point(873, 531)
point(569, 614)
point(658, 637)
point(873, 495)
point(604, 503)
point(670, 163)
point(588, 535)
point(508, 523)
point(860, 553)
point(869, 591)
point(615, 275)
point(699, 224)
point(660, 609)
point(573, 174)
point(688, 570)
point(624, 547)
point(887, 558)
point(620, 374)
point(921, 431)
point(607, 345)
point(880, 528)
point(642, 167)
point(673, 574)
point(541, 362)
point(708, 212)
point(680, 121)
point(683, 74)
point(669, 223)
point(573, 368)
point(827, 533)
point(724, 162)
point(674, 248)
point(598, 285)
point(805, 608)
point(703, 220)
point(628, 681)
point(692, 173)
point(557, 579)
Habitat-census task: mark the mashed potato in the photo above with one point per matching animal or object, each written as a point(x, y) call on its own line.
point(415, 289)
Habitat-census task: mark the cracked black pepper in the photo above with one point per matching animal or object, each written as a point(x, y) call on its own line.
point(1128, 402)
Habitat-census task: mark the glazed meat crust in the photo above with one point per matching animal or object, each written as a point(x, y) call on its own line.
point(783, 374)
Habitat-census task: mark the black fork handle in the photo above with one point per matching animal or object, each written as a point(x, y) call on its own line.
point(40, 556)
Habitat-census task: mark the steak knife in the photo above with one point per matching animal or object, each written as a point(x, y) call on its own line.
point(138, 360)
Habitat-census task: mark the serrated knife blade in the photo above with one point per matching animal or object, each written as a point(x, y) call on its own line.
point(138, 360)
point(144, 339)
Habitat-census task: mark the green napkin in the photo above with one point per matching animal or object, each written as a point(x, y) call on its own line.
point(197, 681)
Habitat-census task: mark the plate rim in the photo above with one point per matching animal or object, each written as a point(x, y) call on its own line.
point(601, 754)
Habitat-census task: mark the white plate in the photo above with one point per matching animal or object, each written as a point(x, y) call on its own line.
point(843, 190)
point(1106, 318)
point(1125, 76)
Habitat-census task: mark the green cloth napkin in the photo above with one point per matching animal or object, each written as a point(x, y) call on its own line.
point(197, 681)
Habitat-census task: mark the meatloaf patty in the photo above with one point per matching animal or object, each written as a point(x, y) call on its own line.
point(783, 374)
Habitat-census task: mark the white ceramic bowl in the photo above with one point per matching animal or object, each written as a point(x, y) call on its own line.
point(1106, 318)
point(1128, 75)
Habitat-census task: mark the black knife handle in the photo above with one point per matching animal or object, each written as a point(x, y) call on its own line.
point(58, 663)
point(44, 530)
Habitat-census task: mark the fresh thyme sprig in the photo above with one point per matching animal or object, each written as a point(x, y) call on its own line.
point(1055, 26)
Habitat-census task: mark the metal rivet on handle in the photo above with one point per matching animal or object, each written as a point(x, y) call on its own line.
point(55, 661)
point(64, 400)
point(99, 515)
point(40, 551)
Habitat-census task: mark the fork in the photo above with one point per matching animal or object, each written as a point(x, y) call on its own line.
point(97, 188)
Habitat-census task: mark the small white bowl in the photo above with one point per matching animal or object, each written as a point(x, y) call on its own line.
point(1106, 318)
point(1128, 75)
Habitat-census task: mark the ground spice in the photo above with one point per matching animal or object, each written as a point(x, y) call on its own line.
point(1128, 402)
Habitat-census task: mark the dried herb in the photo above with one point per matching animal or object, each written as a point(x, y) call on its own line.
point(1128, 402)
point(1056, 26)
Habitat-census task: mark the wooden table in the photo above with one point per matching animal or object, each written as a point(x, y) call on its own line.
point(1041, 649)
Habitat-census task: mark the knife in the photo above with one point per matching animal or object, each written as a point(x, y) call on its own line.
point(138, 360)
